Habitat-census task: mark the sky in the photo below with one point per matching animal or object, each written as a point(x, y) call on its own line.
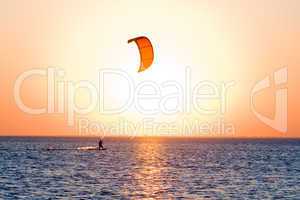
point(223, 48)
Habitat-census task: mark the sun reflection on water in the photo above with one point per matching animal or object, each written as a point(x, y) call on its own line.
point(148, 171)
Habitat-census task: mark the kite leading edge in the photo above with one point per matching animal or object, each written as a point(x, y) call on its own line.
point(146, 52)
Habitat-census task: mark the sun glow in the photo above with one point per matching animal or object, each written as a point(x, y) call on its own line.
point(219, 42)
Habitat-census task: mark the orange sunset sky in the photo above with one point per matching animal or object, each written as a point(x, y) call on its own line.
point(220, 41)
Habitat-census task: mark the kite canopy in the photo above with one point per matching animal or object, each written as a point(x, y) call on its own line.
point(146, 52)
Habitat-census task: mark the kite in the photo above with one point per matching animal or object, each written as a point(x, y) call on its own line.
point(146, 52)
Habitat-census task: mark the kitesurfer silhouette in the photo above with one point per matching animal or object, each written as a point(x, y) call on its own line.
point(101, 144)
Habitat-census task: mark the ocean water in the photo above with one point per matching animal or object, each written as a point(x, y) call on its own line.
point(149, 169)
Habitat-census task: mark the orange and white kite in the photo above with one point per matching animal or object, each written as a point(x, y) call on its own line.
point(146, 52)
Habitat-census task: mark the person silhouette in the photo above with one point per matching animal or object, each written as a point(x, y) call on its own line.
point(101, 144)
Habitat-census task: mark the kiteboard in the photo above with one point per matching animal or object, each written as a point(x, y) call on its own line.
point(90, 148)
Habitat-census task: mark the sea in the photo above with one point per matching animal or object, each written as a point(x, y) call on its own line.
point(149, 168)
